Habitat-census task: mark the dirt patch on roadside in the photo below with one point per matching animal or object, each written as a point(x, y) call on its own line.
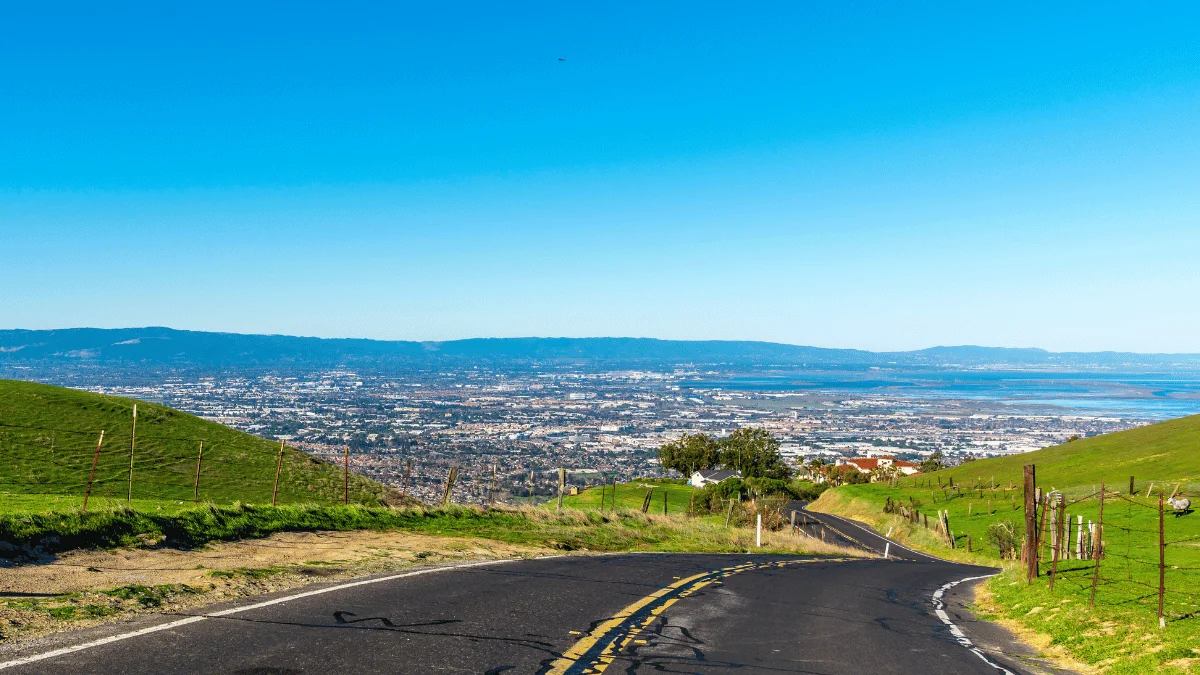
point(85, 588)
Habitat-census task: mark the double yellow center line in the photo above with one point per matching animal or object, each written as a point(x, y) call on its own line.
point(594, 652)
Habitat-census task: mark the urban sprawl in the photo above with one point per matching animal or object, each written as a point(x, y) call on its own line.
point(524, 425)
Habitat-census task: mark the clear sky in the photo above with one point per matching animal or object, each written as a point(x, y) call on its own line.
point(874, 175)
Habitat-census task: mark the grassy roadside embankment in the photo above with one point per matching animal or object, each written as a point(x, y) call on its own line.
point(194, 537)
point(1120, 634)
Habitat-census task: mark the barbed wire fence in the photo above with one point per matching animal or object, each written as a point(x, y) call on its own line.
point(1132, 548)
point(113, 467)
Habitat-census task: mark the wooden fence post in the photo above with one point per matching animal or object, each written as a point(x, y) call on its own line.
point(530, 493)
point(729, 513)
point(1131, 486)
point(404, 485)
point(196, 482)
point(278, 469)
point(451, 476)
point(646, 500)
point(95, 458)
point(346, 475)
point(665, 501)
point(492, 491)
point(132, 443)
point(1031, 543)
point(1056, 520)
point(562, 486)
point(1098, 548)
point(1162, 564)
point(1041, 537)
point(614, 492)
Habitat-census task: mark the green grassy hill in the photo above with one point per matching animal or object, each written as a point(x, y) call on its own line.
point(1120, 633)
point(1167, 451)
point(631, 496)
point(48, 439)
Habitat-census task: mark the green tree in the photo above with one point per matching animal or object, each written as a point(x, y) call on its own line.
point(935, 462)
point(692, 452)
point(755, 453)
point(847, 475)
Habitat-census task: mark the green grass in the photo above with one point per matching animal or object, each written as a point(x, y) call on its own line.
point(1121, 632)
point(1166, 451)
point(48, 440)
point(623, 530)
point(631, 495)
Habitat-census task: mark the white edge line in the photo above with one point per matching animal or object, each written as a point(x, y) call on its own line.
point(940, 610)
point(236, 610)
point(886, 539)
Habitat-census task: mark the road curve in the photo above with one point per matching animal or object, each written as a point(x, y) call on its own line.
point(629, 613)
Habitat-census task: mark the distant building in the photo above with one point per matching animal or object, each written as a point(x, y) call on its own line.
point(712, 477)
point(869, 464)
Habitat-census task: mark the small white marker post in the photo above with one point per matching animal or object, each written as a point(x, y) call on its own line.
point(758, 531)
point(887, 545)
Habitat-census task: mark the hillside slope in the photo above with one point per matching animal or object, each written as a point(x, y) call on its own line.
point(48, 440)
point(1166, 451)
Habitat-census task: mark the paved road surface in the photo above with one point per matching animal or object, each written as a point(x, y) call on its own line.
point(636, 613)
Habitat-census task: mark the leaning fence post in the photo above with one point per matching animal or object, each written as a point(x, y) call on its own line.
point(1098, 547)
point(95, 458)
point(278, 468)
point(404, 486)
point(1162, 564)
point(451, 477)
point(132, 443)
point(562, 485)
point(196, 482)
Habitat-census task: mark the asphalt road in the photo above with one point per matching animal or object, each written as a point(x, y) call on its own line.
point(635, 613)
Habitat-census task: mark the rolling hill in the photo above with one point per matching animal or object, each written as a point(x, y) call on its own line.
point(48, 438)
point(158, 346)
point(1166, 451)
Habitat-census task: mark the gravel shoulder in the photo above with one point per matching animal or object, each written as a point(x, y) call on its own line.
point(86, 588)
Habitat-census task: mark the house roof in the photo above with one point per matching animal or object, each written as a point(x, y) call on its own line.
point(865, 463)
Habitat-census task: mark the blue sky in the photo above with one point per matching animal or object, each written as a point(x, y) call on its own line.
point(874, 175)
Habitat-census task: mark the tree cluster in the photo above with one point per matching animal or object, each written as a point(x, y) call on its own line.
point(753, 452)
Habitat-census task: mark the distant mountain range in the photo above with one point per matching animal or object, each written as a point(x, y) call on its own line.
point(155, 346)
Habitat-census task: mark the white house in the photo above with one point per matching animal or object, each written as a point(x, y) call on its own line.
point(712, 477)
